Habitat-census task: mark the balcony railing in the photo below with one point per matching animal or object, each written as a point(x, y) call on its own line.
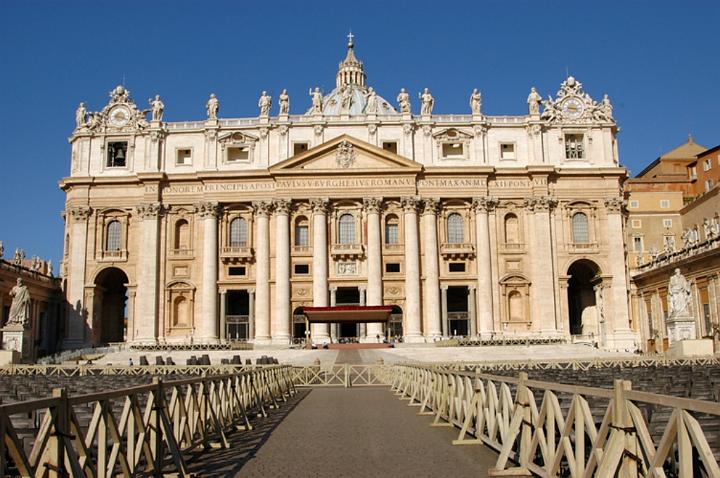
point(393, 247)
point(237, 319)
point(347, 250)
point(182, 252)
point(236, 253)
point(457, 251)
point(583, 246)
point(301, 250)
point(113, 256)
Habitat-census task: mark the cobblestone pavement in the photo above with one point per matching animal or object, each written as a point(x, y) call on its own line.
point(339, 432)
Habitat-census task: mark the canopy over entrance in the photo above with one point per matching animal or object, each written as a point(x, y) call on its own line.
point(355, 314)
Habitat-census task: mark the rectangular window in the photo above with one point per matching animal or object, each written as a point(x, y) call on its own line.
point(456, 267)
point(117, 154)
point(392, 267)
point(299, 148)
point(637, 244)
point(302, 269)
point(507, 151)
point(236, 271)
point(634, 204)
point(184, 157)
point(636, 223)
point(693, 172)
point(664, 204)
point(238, 153)
point(392, 235)
point(301, 235)
point(453, 150)
point(667, 222)
point(708, 184)
point(574, 146)
point(390, 146)
point(707, 165)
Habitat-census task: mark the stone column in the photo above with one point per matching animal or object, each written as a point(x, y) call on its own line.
point(75, 331)
point(262, 272)
point(471, 312)
point(412, 330)
point(282, 314)
point(320, 332)
point(208, 213)
point(223, 321)
point(362, 328)
point(444, 309)
point(542, 292)
point(374, 263)
point(484, 320)
point(251, 314)
point(146, 301)
point(431, 269)
point(334, 326)
point(624, 338)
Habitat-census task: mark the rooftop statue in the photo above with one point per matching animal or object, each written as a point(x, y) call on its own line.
point(20, 307)
point(317, 99)
point(679, 296)
point(264, 103)
point(371, 102)
point(157, 107)
point(533, 101)
point(403, 100)
point(80, 116)
point(212, 106)
point(284, 103)
point(346, 99)
point(476, 102)
point(427, 102)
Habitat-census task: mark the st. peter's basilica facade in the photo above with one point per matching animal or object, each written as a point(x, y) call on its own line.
point(466, 224)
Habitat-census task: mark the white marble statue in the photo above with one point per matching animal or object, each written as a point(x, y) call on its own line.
point(715, 226)
point(212, 106)
point(403, 100)
point(428, 102)
point(533, 101)
point(81, 116)
point(157, 108)
point(49, 268)
point(284, 103)
point(317, 100)
point(2, 249)
point(19, 256)
point(653, 253)
point(475, 102)
point(20, 307)
point(346, 99)
point(264, 103)
point(371, 102)
point(550, 111)
point(603, 111)
point(679, 296)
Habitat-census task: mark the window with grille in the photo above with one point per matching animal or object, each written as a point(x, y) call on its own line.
point(392, 230)
point(667, 222)
point(113, 240)
point(238, 232)
point(301, 233)
point(637, 244)
point(347, 229)
point(580, 228)
point(574, 146)
point(182, 235)
point(455, 229)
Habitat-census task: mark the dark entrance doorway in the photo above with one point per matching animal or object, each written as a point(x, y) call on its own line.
point(110, 321)
point(299, 325)
point(584, 275)
point(237, 315)
point(395, 326)
point(457, 305)
point(347, 296)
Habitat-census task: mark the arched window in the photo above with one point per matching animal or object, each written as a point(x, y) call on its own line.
point(512, 231)
point(392, 229)
point(301, 232)
point(182, 235)
point(113, 236)
point(238, 232)
point(347, 229)
point(515, 306)
point(580, 228)
point(455, 229)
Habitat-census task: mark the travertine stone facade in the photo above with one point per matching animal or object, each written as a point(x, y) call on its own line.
point(473, 225)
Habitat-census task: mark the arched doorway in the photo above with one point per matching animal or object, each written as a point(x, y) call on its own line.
point(110, 306)
point(582, 304)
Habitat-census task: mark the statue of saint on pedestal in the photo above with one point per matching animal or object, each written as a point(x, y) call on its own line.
point(264, 103)
point(403, 100)
point(213, 106)
point(20, 307)
point(679, 296)
point(157, 108)
point(475, 102)
point(427, 103)
point(81, 116)
point(317, 99)
point(371, 104)
point(533, 101)
point(284, 103)
point(346, 100)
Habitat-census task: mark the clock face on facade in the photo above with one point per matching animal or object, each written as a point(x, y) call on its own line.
point(119, 116)
point(572, 108)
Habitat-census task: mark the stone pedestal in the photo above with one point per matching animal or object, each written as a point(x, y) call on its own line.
point(681, 328)
point(691, 348)
point(19, 339)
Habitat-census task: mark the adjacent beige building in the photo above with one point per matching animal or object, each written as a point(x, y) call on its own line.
point(467, 224)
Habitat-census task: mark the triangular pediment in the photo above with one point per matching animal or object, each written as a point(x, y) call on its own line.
point(345, 154)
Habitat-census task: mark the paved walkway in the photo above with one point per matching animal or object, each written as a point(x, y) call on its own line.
point(339, 432)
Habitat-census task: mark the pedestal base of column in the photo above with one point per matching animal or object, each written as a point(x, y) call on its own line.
point(262, 341)
point(414, 339)
point(622, 341)
point(281, 340)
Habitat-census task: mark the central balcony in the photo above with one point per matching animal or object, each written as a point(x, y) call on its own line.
point(237, 254)
point(457, 251)
point(347, 251)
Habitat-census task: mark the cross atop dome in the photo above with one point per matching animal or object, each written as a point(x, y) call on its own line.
point(351, 70)
point(350, 37)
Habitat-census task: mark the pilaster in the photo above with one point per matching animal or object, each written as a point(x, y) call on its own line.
point(75, 335)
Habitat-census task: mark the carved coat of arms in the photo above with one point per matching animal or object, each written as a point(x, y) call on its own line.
point(345, 155)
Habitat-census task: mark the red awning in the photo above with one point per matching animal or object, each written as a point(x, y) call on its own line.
point(349, 314)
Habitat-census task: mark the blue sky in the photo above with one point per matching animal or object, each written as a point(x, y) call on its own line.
point(657, 60)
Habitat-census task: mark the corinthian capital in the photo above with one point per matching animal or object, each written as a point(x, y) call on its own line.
point(319, 205)
point(372, 205)
point(484, 204)
point(410, 204)
point(431, 206)
point(79, 213)
point(615, 204)
point(149, 210)
point(281, 206)
point(207, 209)
point(262, 208)
point(540, 203)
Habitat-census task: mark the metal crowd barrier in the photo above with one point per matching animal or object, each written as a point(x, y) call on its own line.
point(137, 431)
point(502, 413)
